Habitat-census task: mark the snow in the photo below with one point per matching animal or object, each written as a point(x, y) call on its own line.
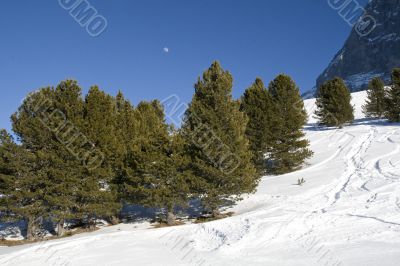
point(358, 100)
point(310, 94)
point(362, 79)
point(339, 57)
point(347, 213)
point(392, 37)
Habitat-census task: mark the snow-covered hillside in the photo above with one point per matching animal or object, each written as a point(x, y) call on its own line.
point(347, 213)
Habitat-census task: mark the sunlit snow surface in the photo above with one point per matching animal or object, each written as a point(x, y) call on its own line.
point(347, 213)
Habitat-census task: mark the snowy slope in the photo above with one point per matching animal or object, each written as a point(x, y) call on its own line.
point(347, 213)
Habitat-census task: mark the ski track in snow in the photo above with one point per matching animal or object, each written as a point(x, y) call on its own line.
point(347, 213)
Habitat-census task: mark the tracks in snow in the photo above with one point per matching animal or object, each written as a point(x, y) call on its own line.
point(335, 203)
point(357, 201)
point(354, 166)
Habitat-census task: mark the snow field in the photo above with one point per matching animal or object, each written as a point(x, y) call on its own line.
point(347, 213)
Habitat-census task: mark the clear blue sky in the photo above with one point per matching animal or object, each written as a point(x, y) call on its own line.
point(41, 44)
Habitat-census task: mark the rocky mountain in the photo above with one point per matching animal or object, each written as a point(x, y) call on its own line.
point(372, 49)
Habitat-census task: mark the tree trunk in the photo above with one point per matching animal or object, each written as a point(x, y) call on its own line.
point(114, 220)
point(171, 218)
point(60, 228)
point(31, 229)
point(92, 224)
point(216, 213)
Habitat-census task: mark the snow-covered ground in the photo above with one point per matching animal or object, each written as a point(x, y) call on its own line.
point(347, 213)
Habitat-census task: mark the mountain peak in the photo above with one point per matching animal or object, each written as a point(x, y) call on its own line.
point(369, 53)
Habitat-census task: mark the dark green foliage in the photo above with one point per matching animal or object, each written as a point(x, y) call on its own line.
point(173, 182)
point(257, 103)
point(214, 129)
point(79, 157)
point(393, 98)
point(156, 163)
point(22, 186)
point(41, 124)
point(376, 102)
point(334, 104)
point(127, 129)
point(83, 157)
point(97, 195)
point(289, 148)
point(65, 169)
point(51, 125)
point(146, 152)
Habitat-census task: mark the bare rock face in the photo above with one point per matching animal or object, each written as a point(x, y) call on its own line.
point(372, 49)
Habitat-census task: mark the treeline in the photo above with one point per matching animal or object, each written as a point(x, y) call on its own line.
point(84, 157)
point(334, 107)
point(384, 102)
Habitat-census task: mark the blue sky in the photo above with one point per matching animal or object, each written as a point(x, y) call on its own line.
point(41, 44)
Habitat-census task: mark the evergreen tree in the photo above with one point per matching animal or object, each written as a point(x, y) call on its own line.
point(376, 103)
point(290, 148)
point(145, 151)
point(257, 103)
point(334, 104)
point(157, 176)
point(98, 196)
point(8, 172)
point(214, 130)
point(57, 126)
point(393, 100)
point(127, 128)
point(177, 179)
point(22, 187)
point(65, 169)
point(46, 123)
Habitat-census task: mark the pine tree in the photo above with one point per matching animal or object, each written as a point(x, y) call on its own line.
point(57, 127)
point(290, 148)
point(142, 151)
point(157, 176)
point(47, 123)
point(334, 104)
point(393, 100)
point(36, 124)
point(66, 170)
point(98, 195)
point(127, 128)
point(214, 130)
point(257, 103)
point(376, 103)
point(177, 179)
point(21, 185)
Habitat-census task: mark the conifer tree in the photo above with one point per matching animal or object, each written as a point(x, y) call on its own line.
point(139, 159)
point(177, 179)
point(66, 171)
point(375, 105)
point(157, 176)
point(290, 148)
point(46, 123)
point(214, 130)
point(57, 126)
point(334, 104)
point(393, 100)
point(98, 195)
point(21, 186)
point(127, 128)
point(258, 105)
